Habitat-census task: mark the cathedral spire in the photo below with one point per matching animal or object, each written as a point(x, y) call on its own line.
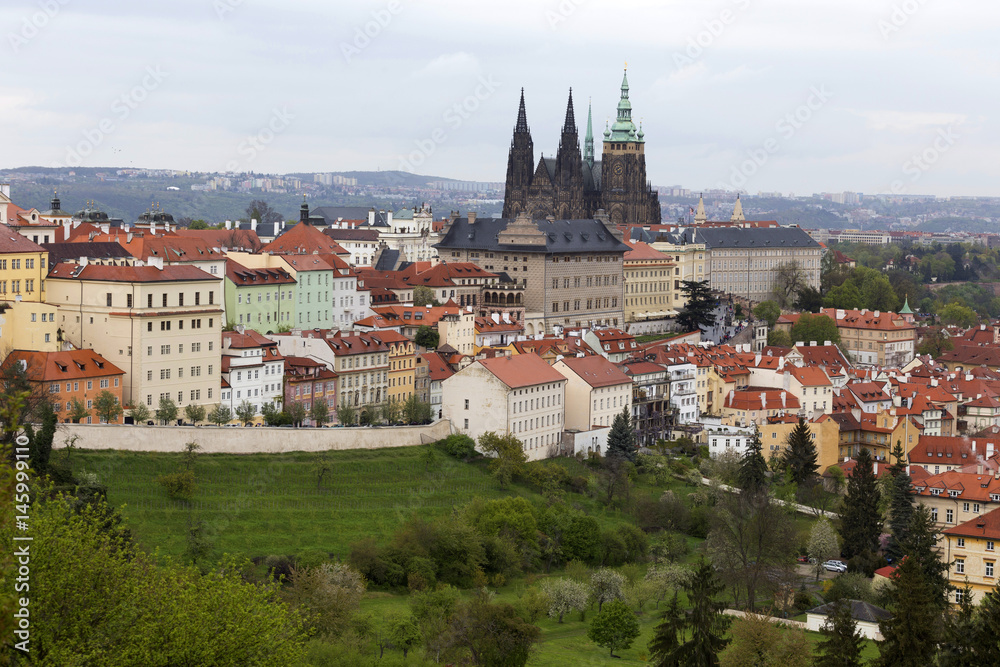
point(738, 211)
point(588, 141)
point(569, 125)
point(522, 117)
point(699, 216)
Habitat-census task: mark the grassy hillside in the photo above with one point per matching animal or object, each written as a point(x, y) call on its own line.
point(274, 504)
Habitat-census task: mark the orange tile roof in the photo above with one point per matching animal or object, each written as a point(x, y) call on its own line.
point(642, 251)
point(437, 368)
point(244, 276)
point(126, 274)
point(968, 485)
point(231, 239)
point(171, 247)
point(11, 241)
point(761, 398)
point(67, 365)
point(867, 319)
point(521, 370)
point(946, 449)
point(597, 371)
point(303, 239)
point(986, 526)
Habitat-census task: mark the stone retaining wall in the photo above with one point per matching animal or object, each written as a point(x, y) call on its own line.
point(241, 440)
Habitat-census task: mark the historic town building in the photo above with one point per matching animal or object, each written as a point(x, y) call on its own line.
point(573, 186)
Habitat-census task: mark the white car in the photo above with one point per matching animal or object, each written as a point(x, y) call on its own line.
point(835, 566)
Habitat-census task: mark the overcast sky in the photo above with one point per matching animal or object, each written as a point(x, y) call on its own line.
point(764, 95)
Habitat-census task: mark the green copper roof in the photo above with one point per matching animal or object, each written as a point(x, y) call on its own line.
point(623, 128)
point(905, 310)
point(588, 141)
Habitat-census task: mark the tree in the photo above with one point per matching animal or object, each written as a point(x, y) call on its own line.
point(327, 594)
point(614, 627)
point(799, 456)
point(823, 544)
point(96, 597)
point(77, 411)
point(958, 315)
point(139, 413)
point(843, 643)
point(167, 412)
point(40, 441)
point(245, 412)
point(699, 305)
point(706, 624)
point(493, 633)
point(271, 413)
point(817, 328)
point(789, 278)
point(769, 311)
point(198, 224)
point(752, 475)
point(346, 414)
point(779, 338)
point(920, 544)
point(424, 296)
point(935, 343)
point(861, 523)
point(565, 595)
point(750, 542)
point(846, 296)
point(809, 300)
point(297, 411)
point(606, 585)
point(758, 642)
point(427, 337)
point(958, 645)
point(900, 510)
point(194, 413)
point(259, 210)
point(877, 292)
point(107, 407)
point(220, 414)
point(404, 633)
point(621, 437)
point(507, 453)
point(320, 412)
point(912, 633)
point(416, 411)
point(392, 410)
point(984, 639)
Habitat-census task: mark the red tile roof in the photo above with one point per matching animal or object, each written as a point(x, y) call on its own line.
point(126, 274)
point(641, 251)
point(521, 370)
point(597, 371)
point(303, 239)
point(11, 241)
point(986, 526)
point(761, 398)
point(68, 365)
point(170, 247)
point(243, 276)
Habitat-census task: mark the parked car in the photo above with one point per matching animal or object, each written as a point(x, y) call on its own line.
point(835, 566)
point(802, 559)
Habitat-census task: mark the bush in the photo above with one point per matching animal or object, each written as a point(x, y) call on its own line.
point(179, 485)
point(280, 568)
point(460, 446)
point(669, 547)
point(700, 522)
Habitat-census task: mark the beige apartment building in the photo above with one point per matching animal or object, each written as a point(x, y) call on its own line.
point(648, 283)
point(160, 324)
point(596, 391)
point(521, 395)
point(571, 270)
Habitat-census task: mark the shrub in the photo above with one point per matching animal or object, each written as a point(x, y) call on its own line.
point(179, 485)
point(460, 446)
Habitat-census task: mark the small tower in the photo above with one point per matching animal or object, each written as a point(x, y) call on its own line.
point(905, 311)
point(699, 215)
point(588, 140)
point(738, 211)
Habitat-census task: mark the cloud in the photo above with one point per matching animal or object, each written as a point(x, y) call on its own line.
point(907, 121)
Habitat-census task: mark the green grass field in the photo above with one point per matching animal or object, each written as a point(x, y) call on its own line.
point(272, 504)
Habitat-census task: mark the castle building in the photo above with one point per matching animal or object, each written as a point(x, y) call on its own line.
point(575, 186)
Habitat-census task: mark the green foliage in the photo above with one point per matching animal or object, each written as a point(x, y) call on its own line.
point(106, 407)
point(97, 599)
point(346, 414)
point(459, 445)
point(392, 410)
point(920, 544)
point(40, 442)
point(272, 414)
point(194, 413)
point(416, 411)
point(809, 300)
point(704, 627)
point(842, 644)
point(699, 305)
point(167, 411)
point(614, 627)
point(424, 296)
point(179, 485)
point(220, 414)
point(427, 337)
point(245, 412)
point(77, 410)
point(758, 642)
point(297, 412)
point(139, 413)
point(935, 343)
point(752, 475)
point(779, 338)
point(861, 522)
point(912, 633)
point(605, 586)
point(565, 595)
point(800, 455)
point(320, 412)
point(327, 595)
point(817, 328)
point(621, 437)
point(507, 453)
point(823, 544)
point(767, 310)
point(958, 315)
point(493, 633)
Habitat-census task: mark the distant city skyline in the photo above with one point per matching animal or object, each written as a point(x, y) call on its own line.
point(777, 96)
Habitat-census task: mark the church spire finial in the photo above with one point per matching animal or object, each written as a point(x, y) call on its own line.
point(699, 216)
point(522, 117)
point(588, 140)
point(569, 125)
point(738, 211)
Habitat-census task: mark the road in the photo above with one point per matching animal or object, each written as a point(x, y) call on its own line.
point(721, 332)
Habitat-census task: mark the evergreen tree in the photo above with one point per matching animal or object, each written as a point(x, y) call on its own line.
point(911, 634)
point(699, 305)
point(706, 623)
point(665, 645)
point(843, 643)
point(752, 475)
point(985, 637)
point(800, 455)
point(900, 511)
point(40, 442)
point(958, 646)
point(921, 545)
point(621, 438)
point(860, 520)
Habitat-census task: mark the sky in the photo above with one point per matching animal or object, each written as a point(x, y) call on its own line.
point(793, 96)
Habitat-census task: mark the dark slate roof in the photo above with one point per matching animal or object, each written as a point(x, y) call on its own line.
point(387, 260)
point(592, 176)
point(561, 236)
point(266, 229)
point(746, 237)
point(861, 611)
point(62, 252)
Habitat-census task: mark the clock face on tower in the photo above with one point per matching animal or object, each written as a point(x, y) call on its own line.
point(618, 169)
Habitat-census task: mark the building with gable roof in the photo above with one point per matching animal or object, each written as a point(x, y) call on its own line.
point(596, 391)
point(261, 299)
point(648, 275)
point(970, 549)
point(253, 369)
point(70, 375)
point(521, 395)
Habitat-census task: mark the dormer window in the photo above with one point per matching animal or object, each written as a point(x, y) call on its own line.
point(953, 494)
point(935, 492)
point(995, 497)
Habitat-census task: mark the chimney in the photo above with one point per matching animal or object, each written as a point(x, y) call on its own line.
point(875, 468)
point(877, 313)
point(784, 399)
point(106, 227)
point(934, 382)
point(786, 380)
point(827, 343)
point(388, 218)
point(83, 261)
point(5, 190)
point(128, 237)
point(763, 400)
point(989, 449)
point(229, 224)
point(371, 217)
point(840, 313)
point(979, 469)
point(472, 217)
point(253, 224)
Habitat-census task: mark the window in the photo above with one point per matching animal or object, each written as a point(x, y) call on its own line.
point(975, 507)
point(949, 516)
point(149, 326)
point(989, 568)
point(961, 543)
point(959, 566)
point(989, 545)
point(164, 300)
point(180, 299)
point(934, 514)
point(965, 507)
point(164, 349)
point(90, 385)
point(149, 301)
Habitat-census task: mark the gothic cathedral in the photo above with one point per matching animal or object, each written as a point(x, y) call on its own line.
point(572, 186)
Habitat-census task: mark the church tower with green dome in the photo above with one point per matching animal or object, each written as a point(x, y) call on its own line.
point(574, 185)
